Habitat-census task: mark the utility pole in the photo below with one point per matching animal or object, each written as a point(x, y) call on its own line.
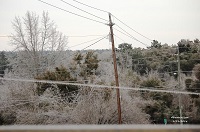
point(179, 87)
point(115, 69)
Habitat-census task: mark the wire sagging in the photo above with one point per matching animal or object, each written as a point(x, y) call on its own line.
point(98, 86)
point(71, 12)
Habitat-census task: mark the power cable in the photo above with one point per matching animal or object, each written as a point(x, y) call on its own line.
point(85, 36)
point(119, 38)
point(130, 36)
point(132, 28)
point(71, 12)
point(90, 45)
point(84, 10)
point(99, 86)
point(94, 43)
point(91, 6)
point(84, 42)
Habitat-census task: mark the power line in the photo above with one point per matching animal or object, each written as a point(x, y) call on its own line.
point(71, 12)
point(130, 36)
point(94, 43)
point(91, 44)
point(91, 6)
point(132, 28)
point(84, 36)
point(119, 38)
point(84, 42)
point(99, 86)
point(84, 11)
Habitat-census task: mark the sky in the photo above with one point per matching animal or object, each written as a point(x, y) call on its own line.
point(167, 21)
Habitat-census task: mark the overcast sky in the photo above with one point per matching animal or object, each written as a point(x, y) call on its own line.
point(167, 21)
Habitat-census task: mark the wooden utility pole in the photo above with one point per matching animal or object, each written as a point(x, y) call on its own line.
point(115, 69)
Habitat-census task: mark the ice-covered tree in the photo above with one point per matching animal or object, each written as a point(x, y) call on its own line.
point(38, 42)
point(99, 106)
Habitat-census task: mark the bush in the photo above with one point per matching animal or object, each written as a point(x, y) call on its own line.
point(60, 74)
point(151, 82)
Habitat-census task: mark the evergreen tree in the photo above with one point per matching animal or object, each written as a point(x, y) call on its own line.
point(3, 63)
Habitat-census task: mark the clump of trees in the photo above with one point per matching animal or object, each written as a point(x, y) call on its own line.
point(163, 60)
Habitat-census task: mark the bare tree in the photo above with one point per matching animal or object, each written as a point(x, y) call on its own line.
point(38, 41)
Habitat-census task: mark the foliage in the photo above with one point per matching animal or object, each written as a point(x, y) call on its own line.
point(85, 65)
point(197, 71)
point(155, 44)
point(60, 74)
point(184, 46)
point(3, 63)
point(189, 54)
point(162, 102)
point(78, 58)
point(91, 62)
point(124, 53)
point(7, 117)
point(161, 108)
point(188, 61)
point(193, 86)
point(124, 47)
point(151, 82)
point(139, 63)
